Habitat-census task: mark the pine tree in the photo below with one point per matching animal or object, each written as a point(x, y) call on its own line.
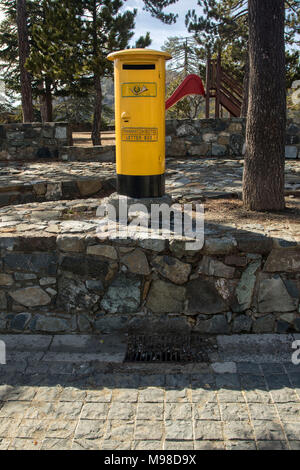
point(263, 187)
point(107, 30)
point(24, 50)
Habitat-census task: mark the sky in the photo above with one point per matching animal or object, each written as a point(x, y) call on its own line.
point(159, 31)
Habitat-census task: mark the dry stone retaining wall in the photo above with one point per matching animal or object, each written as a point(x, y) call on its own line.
point(33, 141)
point(71, 283)
point(218, 138)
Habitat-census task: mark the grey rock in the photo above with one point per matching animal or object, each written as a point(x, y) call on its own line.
point(218, 150)
point(31, 297)
point(20, 321)
point(24, 277)
point(245, 288)
point(203, 297)
point(265, 324)
point(215, 325)
point(105, 251)
point(55, 325)
point(85, 266)
point(123, 295)
point(6, 280)
point(172, 269)
point(165, 297)
point(42, 263)
point(3, 300)
point(285, 260)
point(220, 246)
point(73, 295)
point(186, 130)
point(291, 152)
point(273, 296)
point(70, 243)
point(213, 267)
point(137, 263)
point(242, 324)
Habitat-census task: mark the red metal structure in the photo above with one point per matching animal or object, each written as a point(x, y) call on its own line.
point(191, 85)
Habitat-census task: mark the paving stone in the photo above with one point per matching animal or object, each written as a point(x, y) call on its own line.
point(56, 444)
point(14, 409)
point(147, 445)
point(292, 430)
point(9, 427)
point(24, 444)
point(98, 396)
point(90, 429)
point(178, 430)
point(125, 396)
point(33, 429)
point(61, 429)
point(209, 445)
point(177, 396)
point(71, 394)
point(114, 445)
point(234, 412)
point(268, 430)
point(40, 410)
point(207, 411)
point(151, 395)
point(208, 430)
point(148, 430)
point(119, 431)
point(177, 445)
point(126, 411)
point(94, 411)
point(48, 394)
point(259, 411)
point(4, 444)
point(150, 411)
point(20, 393)
point(240, 445)
point(289, 412)
point(238, 430)
point(68, 411)
point(88, 444)
point(175, 411)
point(273, 445)
point(230, 396)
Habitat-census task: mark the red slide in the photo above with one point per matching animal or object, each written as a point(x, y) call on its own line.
point(191, 85)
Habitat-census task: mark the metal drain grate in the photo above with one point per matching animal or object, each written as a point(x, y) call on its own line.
point(171, 348)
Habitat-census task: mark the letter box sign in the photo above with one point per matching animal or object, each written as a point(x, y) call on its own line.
point(140, 121)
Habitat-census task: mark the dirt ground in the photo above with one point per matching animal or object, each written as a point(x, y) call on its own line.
point(83, 139)
point(231, 210)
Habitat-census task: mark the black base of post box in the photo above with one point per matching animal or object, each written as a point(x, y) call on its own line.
point(140, 187)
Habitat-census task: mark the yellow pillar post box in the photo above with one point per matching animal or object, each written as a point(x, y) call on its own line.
point(140, 121)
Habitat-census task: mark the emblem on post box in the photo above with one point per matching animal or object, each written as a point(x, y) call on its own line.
point(140, 121)
point(140, 90)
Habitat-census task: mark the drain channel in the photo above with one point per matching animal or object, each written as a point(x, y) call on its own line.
point(170, 348)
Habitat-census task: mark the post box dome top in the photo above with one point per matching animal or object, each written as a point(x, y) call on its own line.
point(138, 53)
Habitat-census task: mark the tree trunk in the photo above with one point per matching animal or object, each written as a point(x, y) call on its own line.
point(244, 108)
point(46, 106)
point(266, 121)
point(96, 132)
point(24, 50)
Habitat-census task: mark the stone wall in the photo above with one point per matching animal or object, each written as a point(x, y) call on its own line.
point(218, 138)
point(88, 154)
point(29, 142)
point(59, 284)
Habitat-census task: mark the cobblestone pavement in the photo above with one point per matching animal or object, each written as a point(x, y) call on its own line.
point(88, 405)
point(190, 178)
